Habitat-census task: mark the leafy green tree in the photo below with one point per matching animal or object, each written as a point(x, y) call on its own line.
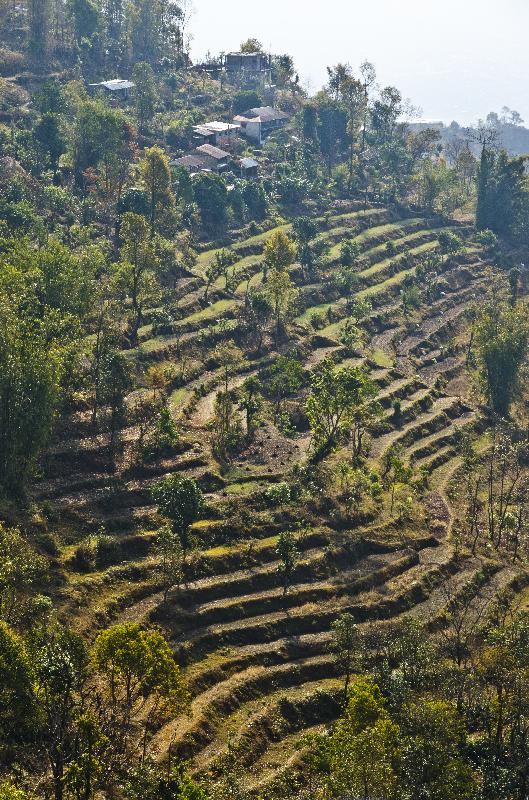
point(244, 100)
point(141, 679)
point(502, 338)
point(450, 243)
point(397, 472)
point(152, 781)
point(211, 196)
point(60, 660)
point(156, 175)
point(345, 646)
point(30, 374)
point(279, 252)
point(287, 552)
point(8, 791)
point(285, 377)
point(362, 756)
point(49, 134)
point(180, 500)
point(251, 45)
point(39, 12)
point(86, 20)
point(21, 570)
point(19, 717)
point(335, 396)
point(433, 752)
point(144, 93)
point(137, 268)
point(282, 295)
point(169, 550)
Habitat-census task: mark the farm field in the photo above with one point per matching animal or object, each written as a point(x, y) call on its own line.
point(257, 658)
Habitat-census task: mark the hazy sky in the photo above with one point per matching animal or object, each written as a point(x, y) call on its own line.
point(456, 59)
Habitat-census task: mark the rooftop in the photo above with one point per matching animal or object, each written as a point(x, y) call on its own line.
point(212, 152)
point(261, 114)
point(115, 85)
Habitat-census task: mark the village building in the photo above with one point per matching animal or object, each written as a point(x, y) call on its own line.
point(117, 87)
point(206, 158)
point(216, 133)
point(249, 168)
point(257, 123)
point(252, 63)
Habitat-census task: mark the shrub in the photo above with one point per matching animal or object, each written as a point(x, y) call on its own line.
point(278, 495)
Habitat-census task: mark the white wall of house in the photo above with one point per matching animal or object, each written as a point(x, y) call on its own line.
point(253, 131)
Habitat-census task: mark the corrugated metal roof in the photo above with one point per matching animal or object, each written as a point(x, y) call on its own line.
point(262, 114)
point(213, 152)
point(114, 85)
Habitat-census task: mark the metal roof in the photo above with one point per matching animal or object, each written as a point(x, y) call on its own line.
point(212, 152)
point(114, 85)
point(262, 114)
point(249, 163)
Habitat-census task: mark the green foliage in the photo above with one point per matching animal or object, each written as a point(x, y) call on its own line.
point(180, 500)
point(287, 552)
point(335, 396)
point(144, 93)
point(21, 570)
point(244, 100)
point(137, 663)
point(211, 197)
point(30, 375)
point(18, 720)
point(502, 337)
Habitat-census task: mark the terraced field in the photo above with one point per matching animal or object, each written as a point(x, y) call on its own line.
point(257, 660)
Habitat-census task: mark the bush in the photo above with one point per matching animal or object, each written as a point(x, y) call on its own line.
point(278, 495)
point(108, 551)
point(10, 62)
point(83, 560)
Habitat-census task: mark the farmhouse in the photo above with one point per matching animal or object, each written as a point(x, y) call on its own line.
point(249, 168)
point(116, 86)
point(206, 158)
point(247, 62)
point(257, 123)
point(216, 133)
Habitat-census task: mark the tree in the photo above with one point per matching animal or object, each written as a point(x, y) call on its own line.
point(156, 175)
point(433, 752)
point(251, 46)
point(142, 679)
point(39, 32)
point(361, 757)
point(279, 252)
point(211, 196)
point(18, 721)
point(396, 472)
point(345, 642)
point(335, 396)
point(450, 243)
point(251, 403)
point(60, 661)
point(136, 270)
point(30, 374)
point(287, 553)
point(144, 93)
point(285, 377)
point(282, 295)
point(502, 338)
point(20, 569)
point(48, 132)
point(244, 100)
point(169, 550)
point(180, 500)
